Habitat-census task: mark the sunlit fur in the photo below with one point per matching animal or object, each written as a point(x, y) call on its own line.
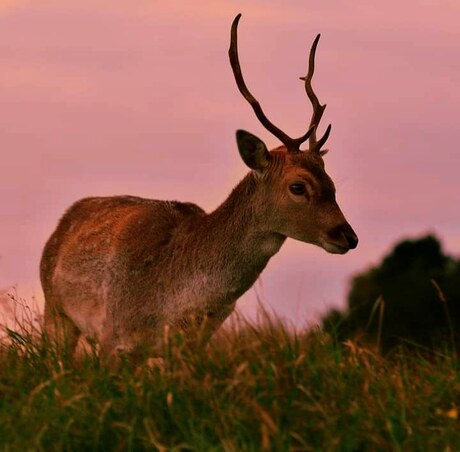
point(120, 269)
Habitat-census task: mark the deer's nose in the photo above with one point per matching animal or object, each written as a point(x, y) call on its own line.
point(344, 234)
point(352, 241)
point(350, 236)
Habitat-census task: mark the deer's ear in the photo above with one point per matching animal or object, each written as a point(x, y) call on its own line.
point(252, 150)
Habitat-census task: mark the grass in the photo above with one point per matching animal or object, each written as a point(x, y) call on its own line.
point(254, 388)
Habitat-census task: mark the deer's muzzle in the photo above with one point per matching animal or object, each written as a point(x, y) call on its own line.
point(341, 239)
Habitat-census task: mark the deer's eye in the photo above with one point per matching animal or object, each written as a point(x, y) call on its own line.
point(297, 189)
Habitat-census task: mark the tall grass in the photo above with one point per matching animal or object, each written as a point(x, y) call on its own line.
point(253, 387)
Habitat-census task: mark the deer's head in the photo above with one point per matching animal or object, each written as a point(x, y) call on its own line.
point(299, 193)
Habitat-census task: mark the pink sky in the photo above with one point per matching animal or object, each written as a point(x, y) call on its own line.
point(118, 97)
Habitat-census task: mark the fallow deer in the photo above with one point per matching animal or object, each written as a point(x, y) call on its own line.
point(120, 269)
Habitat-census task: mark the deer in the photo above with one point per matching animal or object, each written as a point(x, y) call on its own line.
point(121, 269)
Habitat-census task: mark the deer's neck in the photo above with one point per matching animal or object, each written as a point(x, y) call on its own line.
point(239, 242)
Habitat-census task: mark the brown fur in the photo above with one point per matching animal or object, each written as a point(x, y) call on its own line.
point(120, 269)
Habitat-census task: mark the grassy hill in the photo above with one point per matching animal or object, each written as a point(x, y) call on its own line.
point(255, 388)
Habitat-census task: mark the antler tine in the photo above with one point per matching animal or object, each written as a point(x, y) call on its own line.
point(318, 109)
point(291, 144)
point(235, 63)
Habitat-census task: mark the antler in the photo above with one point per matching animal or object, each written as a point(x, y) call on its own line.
point(318, 109)
point(292, 144)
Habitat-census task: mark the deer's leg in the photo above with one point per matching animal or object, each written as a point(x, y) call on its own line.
point(198, 329)
point(59, 327)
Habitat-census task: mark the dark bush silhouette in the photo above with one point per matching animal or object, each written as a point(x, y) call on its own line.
point(412, 297)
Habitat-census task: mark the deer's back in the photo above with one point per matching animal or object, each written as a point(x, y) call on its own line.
point(101, 244)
